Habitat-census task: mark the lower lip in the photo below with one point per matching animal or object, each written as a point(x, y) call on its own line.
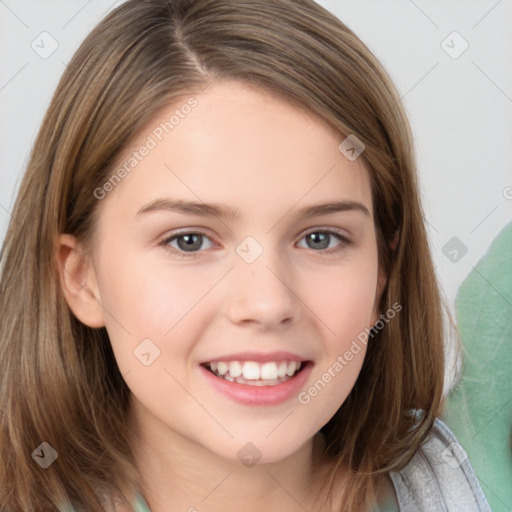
point(259, 395)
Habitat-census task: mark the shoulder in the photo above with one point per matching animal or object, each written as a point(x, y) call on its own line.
point(439, 477)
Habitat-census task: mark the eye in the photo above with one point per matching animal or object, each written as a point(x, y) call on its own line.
point(190, 243)
point(321, 239)
point(187, 243)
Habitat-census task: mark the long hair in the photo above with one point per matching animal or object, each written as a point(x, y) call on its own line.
point(59, 380)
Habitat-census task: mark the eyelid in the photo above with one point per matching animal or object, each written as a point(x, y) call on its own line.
point(327, 229)
point(344, 239)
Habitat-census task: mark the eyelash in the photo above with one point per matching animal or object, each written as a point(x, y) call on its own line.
point(344, 242)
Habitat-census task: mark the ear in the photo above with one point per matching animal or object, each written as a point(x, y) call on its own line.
point(394, 241)
point(78, 282)
point(382, 278)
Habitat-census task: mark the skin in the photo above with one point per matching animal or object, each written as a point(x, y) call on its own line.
point(252, 151)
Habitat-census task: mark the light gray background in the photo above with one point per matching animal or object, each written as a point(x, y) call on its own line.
point(460, 108)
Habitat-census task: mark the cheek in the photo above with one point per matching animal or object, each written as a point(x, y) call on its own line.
point(143, 300)
point(345, 298)
point(345, 305)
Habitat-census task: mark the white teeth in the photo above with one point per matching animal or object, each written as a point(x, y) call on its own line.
point(258, 374)
point(281, 371)
point(269, 371)
point(251, 371)
point(291, 369)
point(235, 369)
point(222, 368)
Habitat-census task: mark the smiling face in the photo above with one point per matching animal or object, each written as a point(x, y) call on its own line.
point(268, 285)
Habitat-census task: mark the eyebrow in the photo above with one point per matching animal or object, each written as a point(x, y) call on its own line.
point(223, 211)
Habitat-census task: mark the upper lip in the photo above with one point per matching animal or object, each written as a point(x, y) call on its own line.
point(258, 357)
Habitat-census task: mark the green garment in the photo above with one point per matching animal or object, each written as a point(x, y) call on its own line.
point(141, 505)
point(479, 411)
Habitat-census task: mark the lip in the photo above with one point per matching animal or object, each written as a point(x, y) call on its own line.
point(258, 357)
point(259, 395)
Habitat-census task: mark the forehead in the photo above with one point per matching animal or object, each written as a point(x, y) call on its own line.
point(240, 145)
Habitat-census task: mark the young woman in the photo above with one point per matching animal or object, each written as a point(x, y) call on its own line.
point(216, 287)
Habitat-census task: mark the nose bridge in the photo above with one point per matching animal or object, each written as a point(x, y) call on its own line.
point(261, 287)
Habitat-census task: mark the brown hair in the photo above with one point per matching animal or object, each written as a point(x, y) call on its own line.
point(59, 380)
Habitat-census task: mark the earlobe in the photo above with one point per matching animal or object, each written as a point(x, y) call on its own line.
point(78, 282)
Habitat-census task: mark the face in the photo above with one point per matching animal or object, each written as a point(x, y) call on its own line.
point(266, 288)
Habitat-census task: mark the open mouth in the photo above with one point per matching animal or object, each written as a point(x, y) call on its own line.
point(252, 373)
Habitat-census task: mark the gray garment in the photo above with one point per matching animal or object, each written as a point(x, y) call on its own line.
point(439, 478)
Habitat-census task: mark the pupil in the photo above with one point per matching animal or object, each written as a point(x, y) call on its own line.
point(319, 237)
point(191, 242)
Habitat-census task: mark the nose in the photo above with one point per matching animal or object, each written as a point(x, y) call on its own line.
point(261, 293)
